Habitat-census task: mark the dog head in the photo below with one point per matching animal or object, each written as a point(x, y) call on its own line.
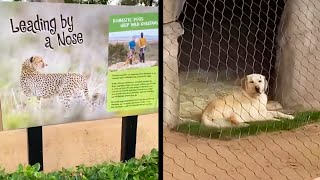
point(37, 62)
point(254, 84)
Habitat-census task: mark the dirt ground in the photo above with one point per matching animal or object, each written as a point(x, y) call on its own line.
point(69, 145)
point(293, 155)
point(281, 155)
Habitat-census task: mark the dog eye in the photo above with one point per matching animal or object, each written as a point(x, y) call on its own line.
point(251, 81)
point(260, 81)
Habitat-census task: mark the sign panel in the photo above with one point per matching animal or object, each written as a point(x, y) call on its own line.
point(133, 59)
point(63, 63)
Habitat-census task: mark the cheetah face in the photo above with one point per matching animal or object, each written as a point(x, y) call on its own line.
point(37, 62)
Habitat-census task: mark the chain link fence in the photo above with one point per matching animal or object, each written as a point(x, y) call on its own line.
point(208, 50)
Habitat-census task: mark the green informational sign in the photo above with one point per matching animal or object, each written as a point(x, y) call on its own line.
point(133, 22)
point(132, 79)
point(133, 89)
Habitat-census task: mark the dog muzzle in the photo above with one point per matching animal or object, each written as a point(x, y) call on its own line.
point(257, 90)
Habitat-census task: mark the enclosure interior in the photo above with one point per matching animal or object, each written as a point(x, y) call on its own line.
point(223, 41)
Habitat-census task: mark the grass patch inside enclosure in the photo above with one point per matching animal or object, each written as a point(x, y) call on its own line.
point(198, 129)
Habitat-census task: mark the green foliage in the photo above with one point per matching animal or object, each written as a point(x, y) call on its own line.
point(145, 168)
point(121, 2)
point(17, 120)
point(197, 129)
point(117, 53)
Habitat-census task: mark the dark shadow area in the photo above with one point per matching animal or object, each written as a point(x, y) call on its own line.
point(231, 38)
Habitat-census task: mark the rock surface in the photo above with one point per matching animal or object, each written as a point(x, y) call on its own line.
point(171, 90)
point(172, 10)
point(298, 55)
point(122, 66)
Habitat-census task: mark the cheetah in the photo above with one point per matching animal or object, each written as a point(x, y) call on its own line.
point(41, 85)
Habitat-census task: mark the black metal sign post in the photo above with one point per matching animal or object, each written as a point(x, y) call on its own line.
point(35, 146)
point(128, 137)
point(128, 141)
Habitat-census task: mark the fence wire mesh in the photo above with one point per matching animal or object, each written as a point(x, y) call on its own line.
point(207, 59)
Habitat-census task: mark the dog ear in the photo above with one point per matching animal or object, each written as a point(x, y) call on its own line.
point(244, 82)
point(265, 84)
point(31, 59)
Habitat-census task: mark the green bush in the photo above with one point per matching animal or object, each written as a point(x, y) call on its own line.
point(117, 53)
point(145, 168)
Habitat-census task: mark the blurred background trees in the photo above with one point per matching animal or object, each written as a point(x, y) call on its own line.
point(108, 2)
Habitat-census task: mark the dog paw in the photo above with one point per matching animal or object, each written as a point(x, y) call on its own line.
point(290, 117)
point(276, 119)
point(243, 125)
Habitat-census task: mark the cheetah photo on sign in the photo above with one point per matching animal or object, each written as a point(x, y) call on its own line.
point(45, 86)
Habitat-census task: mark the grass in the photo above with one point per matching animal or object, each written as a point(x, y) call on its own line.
point(17, 120)
point(197, 129)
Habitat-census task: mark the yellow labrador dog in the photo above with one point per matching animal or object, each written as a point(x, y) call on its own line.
point(247, 105)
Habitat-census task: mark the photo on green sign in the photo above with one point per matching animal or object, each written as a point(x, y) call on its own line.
point(133, 49)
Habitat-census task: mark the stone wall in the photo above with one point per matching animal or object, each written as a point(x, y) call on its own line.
point(172, 10)
point(298, 56)
point(172, 30)
point(171, 90)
